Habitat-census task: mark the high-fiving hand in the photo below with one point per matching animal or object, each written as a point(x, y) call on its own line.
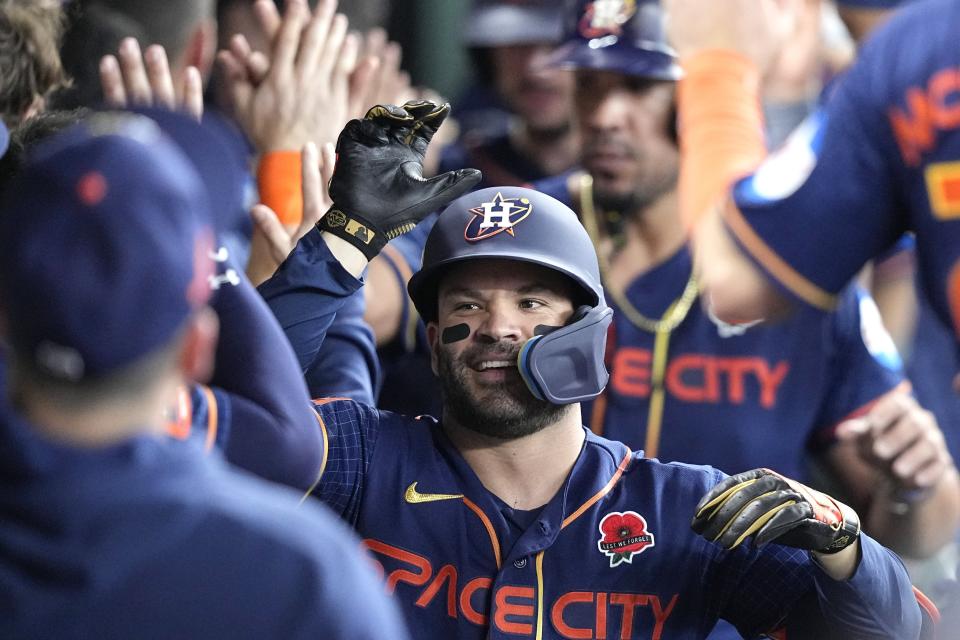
point(378, 189)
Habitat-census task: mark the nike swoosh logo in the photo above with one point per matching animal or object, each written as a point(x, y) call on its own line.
point(415, 497)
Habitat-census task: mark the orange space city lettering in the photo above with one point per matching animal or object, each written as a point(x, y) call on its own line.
point(614, 615)
point(700, 378)
point(929, 110)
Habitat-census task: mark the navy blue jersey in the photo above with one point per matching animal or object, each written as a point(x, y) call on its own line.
point(737, 397)
point(257, 398)
point(611, 555)
point(880, 158)
point(150, 538)
point(740, 397)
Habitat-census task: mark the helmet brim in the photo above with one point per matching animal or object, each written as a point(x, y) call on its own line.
point(424, 285)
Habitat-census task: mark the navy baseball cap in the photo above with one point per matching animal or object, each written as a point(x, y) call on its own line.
point(626, 36)
point(105, 245)
point(500, 23)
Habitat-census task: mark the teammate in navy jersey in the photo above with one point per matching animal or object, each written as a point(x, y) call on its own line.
point(107, 524)
point(507, 517)
point(256, 395)
point(684, 385)
point(880, 160)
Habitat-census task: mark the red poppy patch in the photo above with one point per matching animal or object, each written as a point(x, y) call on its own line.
point(623, 535)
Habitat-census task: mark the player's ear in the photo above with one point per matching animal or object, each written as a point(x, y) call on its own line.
point(433, 339)
point(199, 347)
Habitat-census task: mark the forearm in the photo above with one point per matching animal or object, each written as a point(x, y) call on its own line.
point(347, 365)
point(273, 431)
point(384, 301)
point(840, 565)
point(309, 289)
point(721, 128)
point(722, 141)
point(876, 601)
point(917, 528)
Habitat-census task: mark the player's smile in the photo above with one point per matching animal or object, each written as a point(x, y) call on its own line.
point(493, 368)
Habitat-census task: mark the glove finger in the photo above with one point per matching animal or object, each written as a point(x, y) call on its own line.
point(449, 186)
point(731, 508)
point(420, 109)
point(716, 512)
point(435, 193)
point(754, 516)
point(721, 491)
point(783, 522)
point(426, 126)
point(364, 133)
point(389, 114)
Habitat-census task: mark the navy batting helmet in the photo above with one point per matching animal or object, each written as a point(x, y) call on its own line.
point(499, 23)
point(626, 36)
point(564, 365)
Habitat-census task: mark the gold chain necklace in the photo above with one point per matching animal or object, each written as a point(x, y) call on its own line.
point(676, 312)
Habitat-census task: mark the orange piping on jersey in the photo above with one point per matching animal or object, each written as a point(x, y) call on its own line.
point(540, 596)
point(927, 605)
point(278, 179)
point(181, 426)
point(326, 449)
point(778, 268)
point(494, 541)
point(599, 494)
point(598, 413)
point(212, 421)
point(396, 258)
point(721, 130)
point(322, 401)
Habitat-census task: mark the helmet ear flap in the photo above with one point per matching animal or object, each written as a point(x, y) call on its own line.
point(566, 365)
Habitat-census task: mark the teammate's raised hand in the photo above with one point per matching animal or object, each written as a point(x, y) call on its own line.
point(378, 78)
point(378, 188)
point(299, 94)
point(754, 28)
point(902, 441)
point(130, 79)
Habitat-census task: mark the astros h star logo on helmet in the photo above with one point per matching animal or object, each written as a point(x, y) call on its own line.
point(605, 17)
point(491, 218)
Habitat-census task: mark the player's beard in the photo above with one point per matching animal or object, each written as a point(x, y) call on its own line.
point(654, 178)
point(505, 410)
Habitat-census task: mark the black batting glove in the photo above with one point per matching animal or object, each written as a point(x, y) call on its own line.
point(771, 508)
point(377, 188)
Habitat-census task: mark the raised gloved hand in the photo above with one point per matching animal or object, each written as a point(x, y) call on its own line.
point(377, 188)
point(771, 508)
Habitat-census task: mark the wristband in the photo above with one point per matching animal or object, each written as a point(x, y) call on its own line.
point(355, 230)
point(848, 531)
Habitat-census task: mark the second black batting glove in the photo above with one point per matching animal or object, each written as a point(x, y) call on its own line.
point(378, 189)
point(771, 508)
